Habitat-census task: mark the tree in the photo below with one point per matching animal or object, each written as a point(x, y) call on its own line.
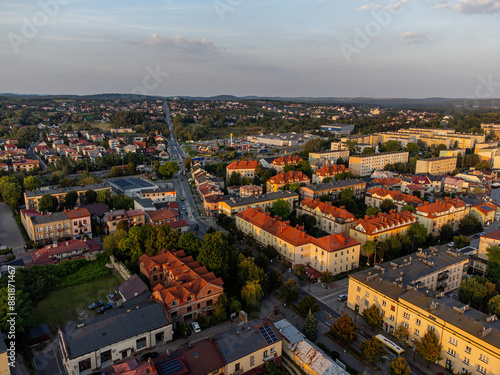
point(346, 194)
point(306, 304)
point(168, 169)
point(123, 225)
point(412, 148)
point(282, 208)
point(248, 270)
point(12, 193)
point(368, 151)
point(370, 248)
point(387, 205)
point(372, 211)
point(116, 171)
point(469, 224)
point(325, 198)
point(214, 253)
point(32, 183)
point(429, 347)
point(401, 333)
point(344, 330)
point(373, 350)
point(90, 196)
point(220, 313)
point(373, 316)
point(131, 168)
point(252, 293)
point(484, 164)
point(398, 366)
point(103, 196)
point(446, 232)
point(47, 203)
point(494, 306)
point(300, 271)
point(310, 326)
point(476, 292)
point(418, 232)
point(408, 207)
point(493, 263)
point(391, 146)
point(188, 163)
point(327, 277)
point(190, 243)
point(461, 241)
point(235, 179)
point(289, 291)
point(70, 199)
point(274, 280)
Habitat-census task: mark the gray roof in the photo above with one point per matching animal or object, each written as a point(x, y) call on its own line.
point(130, 287)
point(161, 190)
point(291, 333)
point(49, 218)
point(261, 198)
point(333, 185)
point(51, 191)
point(113, 327)
point(97, 209)
point(243, 340)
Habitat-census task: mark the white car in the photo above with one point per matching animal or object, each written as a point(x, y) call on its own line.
point(451, 244)
point(196, 327)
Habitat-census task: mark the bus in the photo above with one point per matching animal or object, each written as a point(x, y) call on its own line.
point(393, 348)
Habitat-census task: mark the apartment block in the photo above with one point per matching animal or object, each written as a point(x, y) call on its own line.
point(434, 215)
point(436, 166)
point(331, 156)
point(336, 146)
point(374, 198)
point(235, 205)
point(334, 189)
point(336, 252)
point(491, 128)
point(364, 165)
point(279, 181)
point(26, 165)
point(159, 195)
point(329, 218)
point(452, 152)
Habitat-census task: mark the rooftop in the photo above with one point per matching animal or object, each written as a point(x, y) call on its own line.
point(248, 201)
point(54, 190)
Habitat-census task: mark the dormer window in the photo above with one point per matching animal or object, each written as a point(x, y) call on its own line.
point(209, 292)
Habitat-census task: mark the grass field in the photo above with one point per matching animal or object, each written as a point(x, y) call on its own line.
point(69, 305)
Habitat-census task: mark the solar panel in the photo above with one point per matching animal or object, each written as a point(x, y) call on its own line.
point(171, 367)
point(267, 332)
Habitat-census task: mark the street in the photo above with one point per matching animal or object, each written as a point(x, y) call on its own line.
point(10, 233)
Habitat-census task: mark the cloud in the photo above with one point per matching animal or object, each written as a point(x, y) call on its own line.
point(477, 6)
point(442, 4)
point(416, 37)
point(391, 5)
point(179, 42)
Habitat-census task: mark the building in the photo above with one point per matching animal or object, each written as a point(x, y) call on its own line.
point(335, 146)
point(331, 156)
point(328, 171)
point(336, 252)
point(132, 217)
point(246, 168)
point(279, 181)
point(66, 250)
point(436, 166)
point(235, 205)
point(162, 216)
point(491, 128)
point(249, 190)
point(26, 165)
point(452, 152)
point(159, 195)
point(338, 129)
point(485, 212)
point(179, 226)
point(282, 139)
point(184, 287)
point(329, 218)
point(382, 226)
point(374, 198)
point(80, 222)
point(434, 215)
point(364, 165)
point(470, 339)
point(211, 203)
point(247, 348)
point(280, 163)
point(31, 198)
point(132, 186)
point(45, 228)
point(4, 360)
point(334, 189)
point(102, 341)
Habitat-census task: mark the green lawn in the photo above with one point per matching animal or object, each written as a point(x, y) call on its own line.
point(67, 305)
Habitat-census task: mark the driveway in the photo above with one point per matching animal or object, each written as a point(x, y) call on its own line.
point(49, 361)
point(10, 234)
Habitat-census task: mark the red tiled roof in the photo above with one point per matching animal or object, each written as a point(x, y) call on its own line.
point(331, 170)
point(424, 180)
point(77, 213)
point(132, 213)
point(288, 178)
point(495, 235)
point(387, 181)
point(178, 224)
point(485, 208)
point(440, 206)
point(243, 164)
point(166, 214)
point(327, 209)
point(384, 221)
point(287, 160)
point(43, 256)
point(395, 196)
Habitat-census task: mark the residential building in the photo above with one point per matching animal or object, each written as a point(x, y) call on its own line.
point(336, 146)
point(80, 222)
point(374, 198)
point(455, 185)
point(235, 205)
point(328, 171)
point(434, 215)
point(128, 290)
point(329, 218)
point(382, 226)
point(122, 332)
point(66, 250)
point(336, 252)
point(491, 128)
point(211, 203)
point(282, 139)
point(470, 339)
point(162, 216)
point(247, 348)
point(331, 156)
point(388, 183)
point(26, 165)
point(452, 152)
point(179, 226)
point(184, 287)
point(4, 167)
point(364, 165)
point(334, 189)
point(479, 262)
point(4, 360)
point(279, 181)
point(132, 367)
point(249, 190)
point(97, 211)
point(159, 195)
point(31, 198)
point(485, 212)
point(280, 163)
point(45, 228)
point(488, 153)
point(246, 168)
point(436, 166)
point(132, 217)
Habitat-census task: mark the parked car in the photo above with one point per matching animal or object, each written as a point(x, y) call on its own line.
point(451, 244)
point(92, 306)
point(453, 296)
point(151, 355)
point(196, 327)
point(342, 297)
point(105, 307)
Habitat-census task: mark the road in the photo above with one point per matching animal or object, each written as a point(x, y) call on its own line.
point(10, 233)
point(178, 154)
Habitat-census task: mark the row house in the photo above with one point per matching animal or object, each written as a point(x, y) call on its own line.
point(279, 181)
point(265, 201)
point(374, 198)
point(434, 215)
point(132, 217)
point(66, 250)
point(382, 226)
point(335, 252)
point(246, 168)
point(328, 171)
point(329, 218)
point(184, 287)
point(334, 189)
point(280, 163)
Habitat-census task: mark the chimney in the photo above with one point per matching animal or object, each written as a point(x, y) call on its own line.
point(297, 226)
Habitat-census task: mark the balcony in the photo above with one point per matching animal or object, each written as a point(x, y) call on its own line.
point(443, 276)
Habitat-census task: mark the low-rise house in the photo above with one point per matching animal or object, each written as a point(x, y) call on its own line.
point(280, 163)
point(328, 171)
point(382, 226)
point(66, 250)
point(4, 167)
point(374, 198)
point(455, 185)
point(211, 203)
point(179, 226)
point(329, 218)
point(102, 341)
point(132, 217)
point(80, 222)
point(235, 205)
point(128, 290)
point(97, 211)
point(417, 190)
point(184, 287)
point(249, 190)
point(390, 183)
point(26, 165)
point(485, 212)
point(160, 195)
point(334, 189)
point(162, 216)
point(434, 215)
point(279, 181)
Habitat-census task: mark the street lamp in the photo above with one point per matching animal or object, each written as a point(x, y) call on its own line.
point(414, 348)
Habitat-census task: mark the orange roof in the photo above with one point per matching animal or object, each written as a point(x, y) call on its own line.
point(288, 178)
point(294, 236)
point(243, 164)
point(331, 170)
point(327, 209)
point(382, 222)
point(78, 213)
point(433, 209)
point(395, 196)
point(287, 160)
point(386, 181)
point(485, 208)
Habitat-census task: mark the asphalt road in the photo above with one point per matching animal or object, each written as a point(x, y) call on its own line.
point(10, 234)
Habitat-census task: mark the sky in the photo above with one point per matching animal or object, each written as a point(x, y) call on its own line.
point(292, 48)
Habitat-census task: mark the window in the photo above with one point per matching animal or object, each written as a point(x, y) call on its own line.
point(237, 367)
point(417, 332)
point(366, 303)
point(483, 358)
point(209, 302)
point(359, 289)
point(468, 349)
point(106, 356)
point(141, 343)
point(357, 298)
point(84, 365)
point(393, 308)
point(466, 360)
point(189, 308)
point(452, 352)
point(383, 303)
point(367, 294)
point(453, 341)
point(481, 369)
point(252, 360)
point(159, 337)
point(406, 315)
point(431, 328)
point(418, 322)
point(405, 324)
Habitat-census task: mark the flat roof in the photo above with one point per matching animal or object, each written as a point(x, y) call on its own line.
point(248, 201)
point(57, 190)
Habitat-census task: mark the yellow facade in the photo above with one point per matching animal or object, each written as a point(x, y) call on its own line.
point(254, 359)
point(436, 166)
point(231, 210)
point(434, 221)
point(364, 165)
